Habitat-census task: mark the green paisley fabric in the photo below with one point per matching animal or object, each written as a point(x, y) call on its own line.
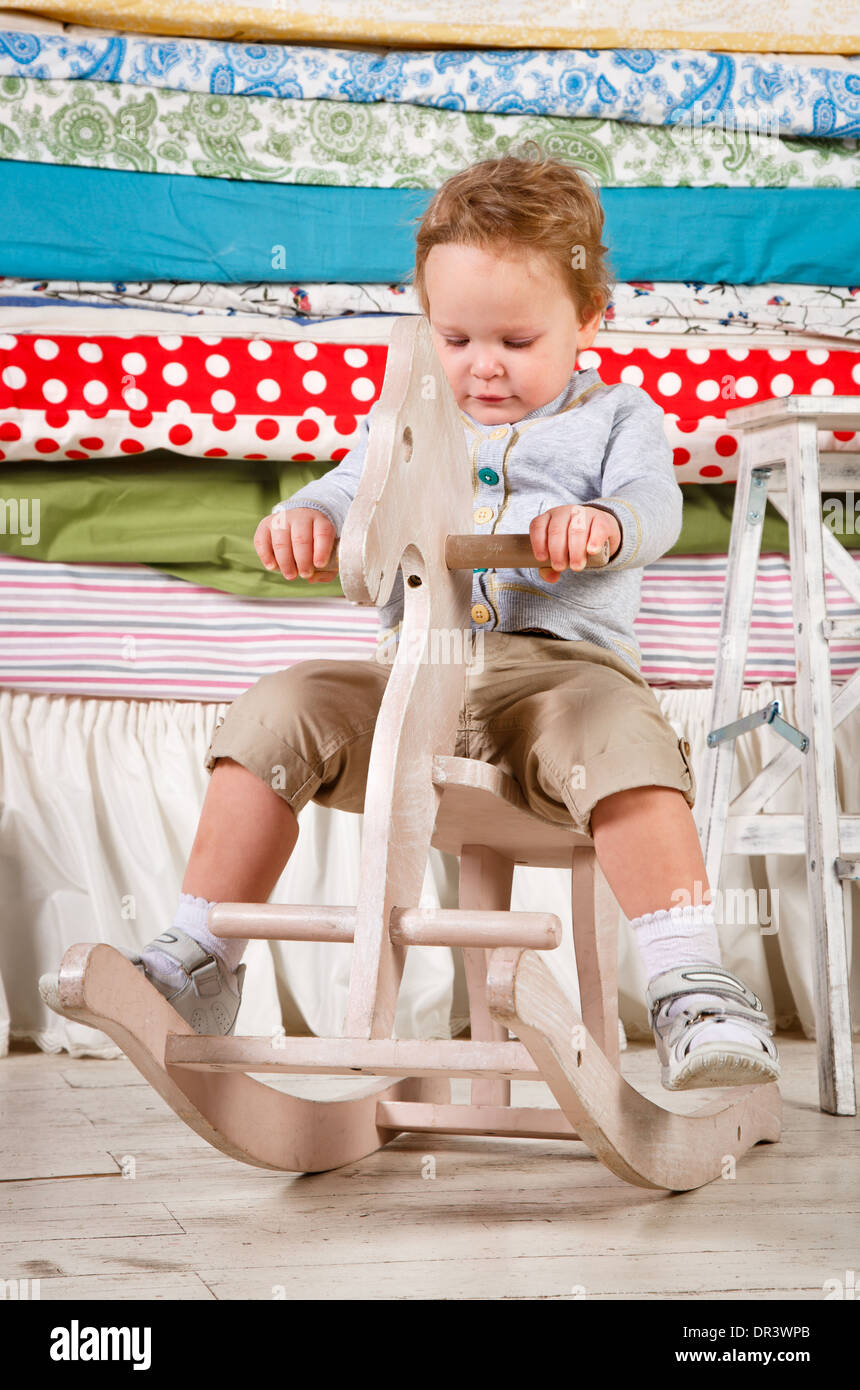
point(116, 125)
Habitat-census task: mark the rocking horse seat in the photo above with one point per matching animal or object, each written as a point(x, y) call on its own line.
point(481, 804)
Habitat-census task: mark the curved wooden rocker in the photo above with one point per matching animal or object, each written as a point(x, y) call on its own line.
point(419, 795)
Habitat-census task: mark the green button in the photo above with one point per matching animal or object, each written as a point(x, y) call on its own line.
point(488, 475)
point(483, 571)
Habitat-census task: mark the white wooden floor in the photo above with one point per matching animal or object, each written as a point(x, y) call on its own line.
point(501, 1218)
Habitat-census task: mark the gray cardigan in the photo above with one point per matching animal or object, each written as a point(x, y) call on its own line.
point(599, 445)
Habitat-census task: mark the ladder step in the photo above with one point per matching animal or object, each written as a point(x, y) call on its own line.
point(767, 833)
point(507, 1061)
point(409, 926)
point(840, 627)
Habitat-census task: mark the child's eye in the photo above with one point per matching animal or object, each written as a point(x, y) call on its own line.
point(458, 342)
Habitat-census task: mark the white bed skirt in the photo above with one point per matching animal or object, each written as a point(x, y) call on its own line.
point(100, 802)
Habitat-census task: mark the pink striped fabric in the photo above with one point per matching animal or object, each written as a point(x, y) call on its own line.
point(130, 632)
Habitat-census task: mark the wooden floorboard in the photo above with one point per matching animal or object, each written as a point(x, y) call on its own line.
point(106, 1195)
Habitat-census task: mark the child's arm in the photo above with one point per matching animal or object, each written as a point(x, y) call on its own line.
point(298, 535)
point(333, 494)
point(639, 486)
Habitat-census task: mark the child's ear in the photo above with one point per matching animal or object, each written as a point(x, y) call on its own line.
point(587, 330)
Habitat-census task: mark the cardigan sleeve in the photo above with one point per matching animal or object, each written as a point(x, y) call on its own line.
point(639, 486)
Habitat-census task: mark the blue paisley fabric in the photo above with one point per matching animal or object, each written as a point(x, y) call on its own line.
point(817, 97)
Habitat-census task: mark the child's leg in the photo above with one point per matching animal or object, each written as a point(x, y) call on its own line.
point(245, 836)
point(648, 848)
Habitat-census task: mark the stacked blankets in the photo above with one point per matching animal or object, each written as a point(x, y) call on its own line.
point(209, 244)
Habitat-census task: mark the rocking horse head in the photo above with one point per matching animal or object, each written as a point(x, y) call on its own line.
point(415, 490)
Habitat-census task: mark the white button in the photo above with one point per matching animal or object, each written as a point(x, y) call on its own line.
point(483, 514)
point(497, 434)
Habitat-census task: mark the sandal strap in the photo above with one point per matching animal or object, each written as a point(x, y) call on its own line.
point(703, 978)
point(200, 965)
point(683, 1039)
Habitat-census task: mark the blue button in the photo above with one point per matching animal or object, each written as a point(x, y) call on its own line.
point(488, 475)
point(483, 571)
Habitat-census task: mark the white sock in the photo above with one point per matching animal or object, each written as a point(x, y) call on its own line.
point(192, 916)
point(687, 935)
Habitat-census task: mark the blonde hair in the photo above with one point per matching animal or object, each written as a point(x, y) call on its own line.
point(516, 203)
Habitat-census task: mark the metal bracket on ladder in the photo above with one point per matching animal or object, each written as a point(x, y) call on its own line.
point(769, 715)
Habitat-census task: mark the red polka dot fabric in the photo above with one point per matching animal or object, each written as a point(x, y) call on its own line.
point(74, 398)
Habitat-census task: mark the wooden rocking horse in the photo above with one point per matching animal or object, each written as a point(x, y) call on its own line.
point(419, 795)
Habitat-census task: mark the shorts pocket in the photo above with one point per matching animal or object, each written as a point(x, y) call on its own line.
point(684, 750)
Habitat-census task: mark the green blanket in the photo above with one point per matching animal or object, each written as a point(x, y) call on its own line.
point(196, 518)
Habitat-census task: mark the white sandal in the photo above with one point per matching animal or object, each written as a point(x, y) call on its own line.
point(205, 998)
point(686, 1065)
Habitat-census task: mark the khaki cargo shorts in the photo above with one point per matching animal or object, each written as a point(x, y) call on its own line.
point(570, 721)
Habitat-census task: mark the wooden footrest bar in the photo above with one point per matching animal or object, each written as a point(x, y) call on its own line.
point(348, 1056)
point(409, 926)
point(506, 1121)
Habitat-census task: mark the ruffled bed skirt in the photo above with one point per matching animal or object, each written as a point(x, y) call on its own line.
point(100, 803)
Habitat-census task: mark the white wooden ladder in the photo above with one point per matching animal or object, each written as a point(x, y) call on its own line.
point(779, 446)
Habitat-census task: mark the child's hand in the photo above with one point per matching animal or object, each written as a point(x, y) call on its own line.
point(563, 534)
point(297, 542)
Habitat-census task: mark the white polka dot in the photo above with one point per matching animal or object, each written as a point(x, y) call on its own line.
point(738, 354)
point(268, 389)
point(782, 384)
point(621, 351)
point(170, 341)
point(259, 350)
point(698, 354)
point(174, 373)
point(587, 360)
point(95, 392)
point(817, 356)
point(134, 363)
point(355, 357)
point(707, 390)
point(632, 375)
point(822, 387)
point(134, 398)
point(659, 351)
point(216, 365)
point(779, 354)
point(46, 349)
point(14, 378)
point(669, 384)
point(362, 388)
point(209, 340)
point(746, 387)
point(55, 390)
point(305, 350)
point(177, 407)
point(222, 401)
point(855, 373)
point(314, 383)
point(8, 341)
point(90, 352)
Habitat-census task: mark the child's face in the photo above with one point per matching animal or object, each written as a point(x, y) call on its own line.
point(503, 327)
